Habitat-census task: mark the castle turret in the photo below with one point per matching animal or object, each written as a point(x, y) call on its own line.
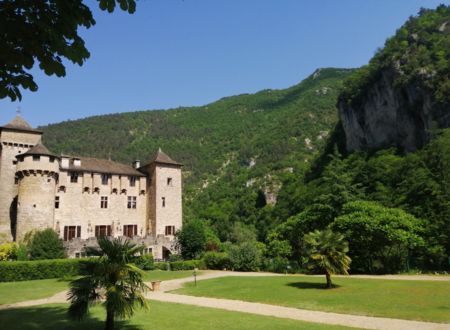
point(37, 173)
point(16, 138)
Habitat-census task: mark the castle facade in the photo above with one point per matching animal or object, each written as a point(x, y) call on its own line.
point(83, 198)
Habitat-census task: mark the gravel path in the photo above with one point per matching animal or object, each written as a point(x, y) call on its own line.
point(365, 322)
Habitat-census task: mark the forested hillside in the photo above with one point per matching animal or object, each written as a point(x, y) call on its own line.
point(233, 150)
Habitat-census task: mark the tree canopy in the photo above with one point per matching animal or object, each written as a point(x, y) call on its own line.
point(43, 31)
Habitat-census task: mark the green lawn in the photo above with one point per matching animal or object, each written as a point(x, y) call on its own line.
point(161, 316)
point(415, 300)
point(11, 292)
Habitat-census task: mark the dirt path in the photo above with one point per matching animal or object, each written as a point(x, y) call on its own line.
point(365, 322)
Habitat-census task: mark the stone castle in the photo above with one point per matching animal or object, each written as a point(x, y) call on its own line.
point(83, 198)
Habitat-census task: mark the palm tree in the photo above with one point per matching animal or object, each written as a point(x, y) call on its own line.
point(113, 279)
point(327, 252)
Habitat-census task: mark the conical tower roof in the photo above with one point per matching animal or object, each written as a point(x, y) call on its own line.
point(20, 124)
point(163, 158)
point(39, 150)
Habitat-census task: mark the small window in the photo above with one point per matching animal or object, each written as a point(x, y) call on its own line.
point(36, 158)
point(51, 159)
point(132, 181)
point(16, 180)
point(129, 230)
point(62, 189)
point(104, 202)
point(105, 179)
point(57, 202)
point(169, 182)
point(70, 232)
point(131, 202)
point(74, 177)
point(86, 189)
point(163, 199)
point(101, 231)
point(170, 230)
point(14, 162)
point(97, 190)
point(114, 191)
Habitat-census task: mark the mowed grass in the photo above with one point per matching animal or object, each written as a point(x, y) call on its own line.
point(160, 316)
point(12, 292)
point(414, 300)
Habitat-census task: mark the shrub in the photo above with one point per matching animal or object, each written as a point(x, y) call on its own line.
point(217, 260)
point(8, 251)
point(245, 257)
point(46, 244)
point(161, 265)
point(145, 262)
point(41, 269)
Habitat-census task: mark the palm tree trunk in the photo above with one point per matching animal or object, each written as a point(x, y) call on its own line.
point(329, 283)
point(109, 320)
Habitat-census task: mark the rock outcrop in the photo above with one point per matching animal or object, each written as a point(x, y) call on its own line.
point(391, 115)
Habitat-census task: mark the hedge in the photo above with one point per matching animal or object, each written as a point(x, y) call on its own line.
point(217, 260)
point(180, 265)
point(41, 269)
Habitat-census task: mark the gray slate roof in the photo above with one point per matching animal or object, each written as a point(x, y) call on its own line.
point(20, 124)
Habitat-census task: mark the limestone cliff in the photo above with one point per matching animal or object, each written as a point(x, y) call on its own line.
point(389, 115)
point(403, 94)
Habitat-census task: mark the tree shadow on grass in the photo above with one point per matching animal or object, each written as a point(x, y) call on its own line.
point(51, 317)
point(308, 285)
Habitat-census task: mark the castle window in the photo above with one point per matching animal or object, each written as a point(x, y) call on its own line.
point(74, 177)
point(114, 191)
point(169, 182)
point(52, 159)
point(16, 180)
point(97, 190)
point(163, 200)
point(104, 202)
point(132, 181)
point(105, 179)
point(131, 202)
point(62, 188)
point(129, 230)
point(101, 231)
point(170, 230)
point(70, 232)
point(86, 189)
point(57, 202)
point(36, 158)
point(14, 162)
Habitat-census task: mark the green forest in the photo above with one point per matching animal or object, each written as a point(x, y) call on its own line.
point(263, 170)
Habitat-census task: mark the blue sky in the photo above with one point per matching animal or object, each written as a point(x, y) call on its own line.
point(174, 53)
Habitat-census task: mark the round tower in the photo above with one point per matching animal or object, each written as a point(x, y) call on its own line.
point(37, 174)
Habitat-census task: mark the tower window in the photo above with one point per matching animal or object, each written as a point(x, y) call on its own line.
point(104, 202)
point(36, 158)
point(170, 230)
point(70, 232)
point(52, 159)
point(169, 182)
point(102, 231)
point(132, 181)
point(129, 230)
point(57, 202)
point(73, 177)
point(163, 200)
point(105, 179)
point(131, 204)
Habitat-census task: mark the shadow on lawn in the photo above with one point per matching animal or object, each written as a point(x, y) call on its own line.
point(308, 285)
point(51, 317)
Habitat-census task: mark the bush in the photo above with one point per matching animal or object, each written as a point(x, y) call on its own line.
point(8, 251)
point(217, 260)
point(161, 265)
point(41, 269)
point(245, 257)
point(46, 244)
point(145, 262)
point(278, 265)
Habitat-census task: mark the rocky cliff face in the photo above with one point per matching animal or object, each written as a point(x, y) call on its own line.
point(392, 116)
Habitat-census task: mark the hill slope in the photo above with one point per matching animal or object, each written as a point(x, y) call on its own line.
point(255, 135)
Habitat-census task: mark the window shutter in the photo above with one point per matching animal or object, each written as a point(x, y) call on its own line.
point(108, 233)
point(66, 229)
point(135, 230)
point(78, 231)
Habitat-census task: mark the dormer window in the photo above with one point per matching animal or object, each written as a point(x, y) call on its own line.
point(76, 162)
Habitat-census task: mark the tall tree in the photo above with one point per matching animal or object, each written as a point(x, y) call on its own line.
point(45, 31)
point(327, 252)
point(113, 278)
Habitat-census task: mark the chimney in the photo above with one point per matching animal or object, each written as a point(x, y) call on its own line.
point(137, 164)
